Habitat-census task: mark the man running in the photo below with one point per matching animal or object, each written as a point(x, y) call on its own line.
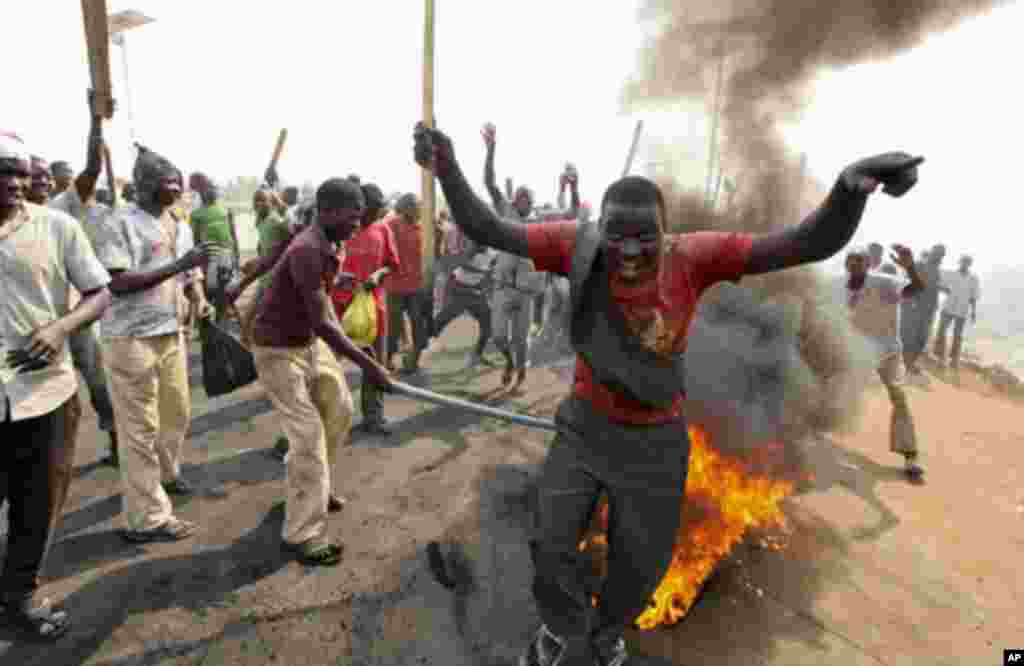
point(623, 431)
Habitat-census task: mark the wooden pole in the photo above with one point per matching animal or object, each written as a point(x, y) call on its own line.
point(97, 44)
point(282, 136)
point(428, 192)
point(715, 117)
point(631, 155)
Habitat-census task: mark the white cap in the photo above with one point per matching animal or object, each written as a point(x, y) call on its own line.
point(858, 251)
point(13, 148)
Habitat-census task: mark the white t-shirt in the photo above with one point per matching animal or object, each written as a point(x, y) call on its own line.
point(875, 309)
point(137, 241)
point(962, 290)
point(92, 215)
point(43, 253)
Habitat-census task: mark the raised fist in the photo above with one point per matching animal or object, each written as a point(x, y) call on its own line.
point(897, 172)
point(432, 149)
point(490, 134)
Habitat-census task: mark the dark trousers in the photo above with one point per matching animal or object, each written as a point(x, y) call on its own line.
point(460, 301)
point(958, 338)
point(644, 512)
point(371, 399)
point(35, 471)
point(420, 308)
point(85, 352)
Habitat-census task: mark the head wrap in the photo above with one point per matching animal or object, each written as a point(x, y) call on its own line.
point(406, 201)
point(149, 168)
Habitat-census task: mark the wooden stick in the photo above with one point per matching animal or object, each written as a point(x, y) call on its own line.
point(632, 148)
point(282, 136)
point(97, 41)
point(427, 183)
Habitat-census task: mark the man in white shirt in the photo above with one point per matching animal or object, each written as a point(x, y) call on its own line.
point(471, 281)
point(962, 290)
point(151, 257)
point(874, 300)
point(43, 253)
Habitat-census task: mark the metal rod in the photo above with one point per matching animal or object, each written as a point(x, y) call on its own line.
point(424, 395)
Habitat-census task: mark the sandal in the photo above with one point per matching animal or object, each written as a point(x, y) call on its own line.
point(42, 622)
point(316, 552)
point(335, 503)
point(172, 530)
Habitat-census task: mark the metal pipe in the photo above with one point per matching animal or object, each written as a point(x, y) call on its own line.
point(424, 395)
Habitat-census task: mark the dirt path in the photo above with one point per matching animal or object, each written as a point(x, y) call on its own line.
point(876, 571)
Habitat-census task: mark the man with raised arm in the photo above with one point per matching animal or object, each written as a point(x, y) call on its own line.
point(634, 292)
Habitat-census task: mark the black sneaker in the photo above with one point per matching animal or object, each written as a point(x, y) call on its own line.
point(178, 486)
point(378, 427)
point(545, 649)
point(611, 653)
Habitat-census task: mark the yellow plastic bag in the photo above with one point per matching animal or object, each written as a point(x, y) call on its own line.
point(360, 319)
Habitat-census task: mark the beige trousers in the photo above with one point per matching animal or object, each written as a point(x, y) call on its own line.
point(308, 389)
point(149, 389)
point(902, 435)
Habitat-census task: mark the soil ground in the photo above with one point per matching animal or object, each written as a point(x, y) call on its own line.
point(875, 570)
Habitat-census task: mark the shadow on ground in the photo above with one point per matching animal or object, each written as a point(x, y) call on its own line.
point(195, 581)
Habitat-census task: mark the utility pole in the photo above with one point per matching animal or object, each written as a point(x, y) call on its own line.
point(715, 119)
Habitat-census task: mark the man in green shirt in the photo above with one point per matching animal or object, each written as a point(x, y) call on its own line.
point(213, 223)
point(271, 231)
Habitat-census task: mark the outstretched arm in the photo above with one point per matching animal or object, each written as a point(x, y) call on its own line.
point(829, 228)
point(434, 151)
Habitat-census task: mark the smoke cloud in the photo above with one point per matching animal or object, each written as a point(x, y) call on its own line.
point(775, 357)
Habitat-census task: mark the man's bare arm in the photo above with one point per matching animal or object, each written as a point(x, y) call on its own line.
point(89, 309)
point(85, 182)
point(829, 228)
point(472, 215)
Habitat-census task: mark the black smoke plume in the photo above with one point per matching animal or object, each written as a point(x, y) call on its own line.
point(774, 358)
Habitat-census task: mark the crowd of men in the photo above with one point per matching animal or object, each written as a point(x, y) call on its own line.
point(108, 282)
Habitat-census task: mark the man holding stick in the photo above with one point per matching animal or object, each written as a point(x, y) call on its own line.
point(623, 431)
point(296, 341)
point(80, 202)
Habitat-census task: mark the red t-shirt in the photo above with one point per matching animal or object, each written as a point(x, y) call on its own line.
point(409, 243)
point(659, 312)
point(371, 248)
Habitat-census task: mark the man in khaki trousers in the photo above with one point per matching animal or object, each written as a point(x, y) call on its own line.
point(874, 300)
point(296, 337)
point(150, 255)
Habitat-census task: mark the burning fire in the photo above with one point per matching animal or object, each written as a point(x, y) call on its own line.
point(724, 498)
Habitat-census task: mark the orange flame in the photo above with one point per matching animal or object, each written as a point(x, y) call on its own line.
point(724, 498)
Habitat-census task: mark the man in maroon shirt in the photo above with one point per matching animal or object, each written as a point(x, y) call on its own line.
point(634, 291)
point(296, 335)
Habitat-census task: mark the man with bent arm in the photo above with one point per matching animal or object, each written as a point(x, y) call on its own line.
point(634, 291)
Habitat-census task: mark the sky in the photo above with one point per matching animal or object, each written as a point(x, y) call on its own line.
point(211, 84)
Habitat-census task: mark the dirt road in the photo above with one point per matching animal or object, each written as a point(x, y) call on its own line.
point(876, 571)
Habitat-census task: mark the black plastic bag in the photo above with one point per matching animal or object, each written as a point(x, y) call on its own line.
point(227, 365)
